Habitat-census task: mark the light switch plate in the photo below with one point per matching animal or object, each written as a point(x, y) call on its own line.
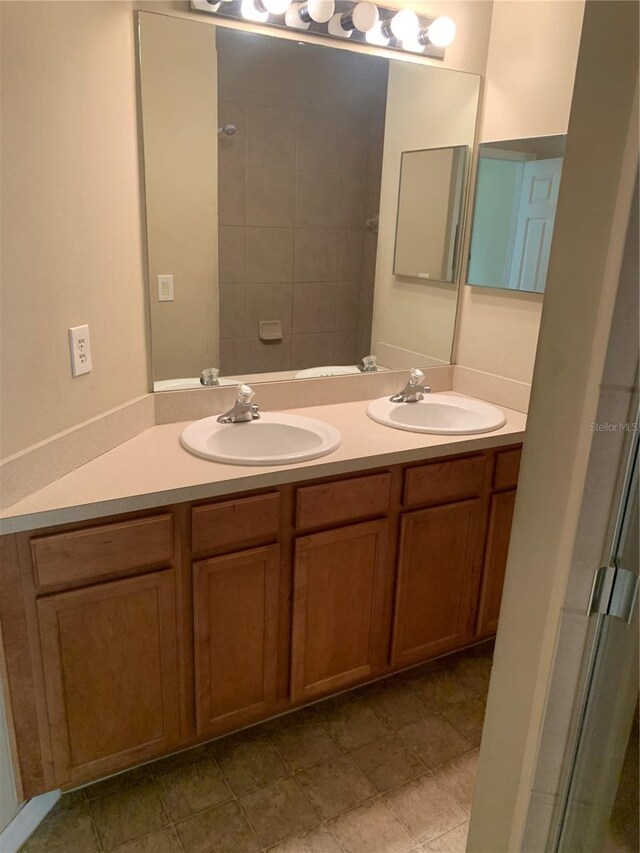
point(80, 350)
point(165, 288)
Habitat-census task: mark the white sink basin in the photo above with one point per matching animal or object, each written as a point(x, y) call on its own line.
point(440, 414)
point(330, 370)
point(275, 439)
point(187, 384)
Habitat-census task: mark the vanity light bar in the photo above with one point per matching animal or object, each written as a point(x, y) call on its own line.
point(363, 22)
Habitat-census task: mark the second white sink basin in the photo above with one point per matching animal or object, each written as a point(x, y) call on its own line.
point(330, 370)
point(440, 414)
point(189, 383)
point(274, 439)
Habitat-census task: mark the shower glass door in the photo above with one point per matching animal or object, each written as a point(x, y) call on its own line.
point(610, 696)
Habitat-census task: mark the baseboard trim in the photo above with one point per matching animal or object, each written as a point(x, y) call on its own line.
point(24, 824)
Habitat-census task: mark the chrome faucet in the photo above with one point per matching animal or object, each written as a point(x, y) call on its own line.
point(243, 410)
point(210, 376)
point(369, 364)
point(414, 390)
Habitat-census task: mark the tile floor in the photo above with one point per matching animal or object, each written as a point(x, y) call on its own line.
point(386, 768)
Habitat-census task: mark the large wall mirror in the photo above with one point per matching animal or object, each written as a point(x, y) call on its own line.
point(272, 179)
point(514, 212)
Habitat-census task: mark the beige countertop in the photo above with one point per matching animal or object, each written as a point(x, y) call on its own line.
point(152, 469)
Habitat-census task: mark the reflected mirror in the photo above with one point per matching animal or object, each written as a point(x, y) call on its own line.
point(514, 211)
point(272, 176)
point(429, 212)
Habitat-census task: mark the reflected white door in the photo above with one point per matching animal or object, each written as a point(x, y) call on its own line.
point(534, 228)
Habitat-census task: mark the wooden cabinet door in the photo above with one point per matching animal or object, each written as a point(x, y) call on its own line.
point(438, 580)
point(236, 637)
point(495, 561)
point(338, 608)
point(109, 656)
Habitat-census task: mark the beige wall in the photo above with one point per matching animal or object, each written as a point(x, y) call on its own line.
point(71, 234)
point(426, 108)
point(178, 81)
point(533, 50)
point(584, 270)
point(531, 64)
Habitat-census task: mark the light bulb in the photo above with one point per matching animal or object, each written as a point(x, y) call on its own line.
point(300, 15)
point(292, 17)
point(250, 10)
point(415, 44)
point(320, 10)
point(404, 24)
point(363, 17)
point(376, 36)
point(442, 31)
point(337, 28)
point(276, 7)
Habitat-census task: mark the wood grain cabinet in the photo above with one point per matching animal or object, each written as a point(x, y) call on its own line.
point(495, 562)
point(109, 660)
point(439, 564)
point(338, 607)
point(145, 633)
point(236, 633)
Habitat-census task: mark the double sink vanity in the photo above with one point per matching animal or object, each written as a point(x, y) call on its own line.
point(277, 439)
point(153, 599)
point(204, 571)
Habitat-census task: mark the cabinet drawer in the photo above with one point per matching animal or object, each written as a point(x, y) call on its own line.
point(244, 521)
point(345, 500)
point(439, 482)
point(109, 549)
point(505, 475)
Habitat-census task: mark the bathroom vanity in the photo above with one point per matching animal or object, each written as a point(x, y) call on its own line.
point(151, 599)
point(132, 636)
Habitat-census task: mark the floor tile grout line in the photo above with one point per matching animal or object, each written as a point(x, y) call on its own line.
point(324, 824)
point(235, 798)
point(93, 825)
point(165, 807)
point(442, 834)
point(167, 825)
point(249, 824)
point(176, 835)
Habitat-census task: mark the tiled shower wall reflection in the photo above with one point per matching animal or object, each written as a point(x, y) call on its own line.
point(297, 183)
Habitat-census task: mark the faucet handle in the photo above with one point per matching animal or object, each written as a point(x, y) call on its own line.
point(369, 364)
point(245, 394)
point(416, 377)
point(209, 376)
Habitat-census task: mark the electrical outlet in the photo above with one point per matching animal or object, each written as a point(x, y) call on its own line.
point(80, 349)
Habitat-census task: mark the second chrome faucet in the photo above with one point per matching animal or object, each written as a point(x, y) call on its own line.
point(243, 409)
point(414, 390)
